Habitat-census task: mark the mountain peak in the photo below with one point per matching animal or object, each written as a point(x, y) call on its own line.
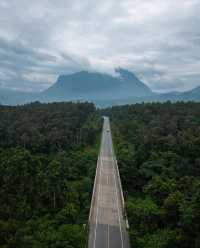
point(125, 74)
point(95, 85)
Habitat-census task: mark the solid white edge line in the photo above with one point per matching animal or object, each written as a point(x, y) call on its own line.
point(94, 189)
point(118, 210)
point(99, 189)
point(114, 169)
point(95, 232)
point(108, 237)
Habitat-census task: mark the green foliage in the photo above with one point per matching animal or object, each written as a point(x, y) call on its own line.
point(45, 233)
point(158, 150)
point(159, 188)
point(161, 239)
point(143, 214)
point(48, 156)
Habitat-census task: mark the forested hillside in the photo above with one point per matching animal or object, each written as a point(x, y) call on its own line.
point(48, 157)
point(158, 149)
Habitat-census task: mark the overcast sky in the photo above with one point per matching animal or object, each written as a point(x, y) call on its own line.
point(158, 40)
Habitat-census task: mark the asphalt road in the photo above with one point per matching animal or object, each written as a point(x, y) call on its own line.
point(107, 227)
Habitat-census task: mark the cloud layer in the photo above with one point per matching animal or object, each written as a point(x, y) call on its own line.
point(159, 40)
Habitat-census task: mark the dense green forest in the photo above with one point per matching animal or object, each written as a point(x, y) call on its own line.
point(158, 149)
point(48, 157)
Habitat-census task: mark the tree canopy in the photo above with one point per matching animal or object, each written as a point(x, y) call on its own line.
point(158, 150)
point(48, 157)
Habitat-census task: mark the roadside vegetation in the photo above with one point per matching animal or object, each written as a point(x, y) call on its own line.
point(48, 157)
point(158, 150)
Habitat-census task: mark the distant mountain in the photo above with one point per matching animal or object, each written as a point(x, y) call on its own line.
point(97, 86)
point(102, 89)
point(192, 95)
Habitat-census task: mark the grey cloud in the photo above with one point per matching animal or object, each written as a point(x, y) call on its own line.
point(20, 62)
point(157, 39)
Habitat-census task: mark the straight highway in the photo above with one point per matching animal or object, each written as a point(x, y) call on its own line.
point(107, 226)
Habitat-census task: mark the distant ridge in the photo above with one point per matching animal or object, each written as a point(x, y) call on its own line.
point(100, 88)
